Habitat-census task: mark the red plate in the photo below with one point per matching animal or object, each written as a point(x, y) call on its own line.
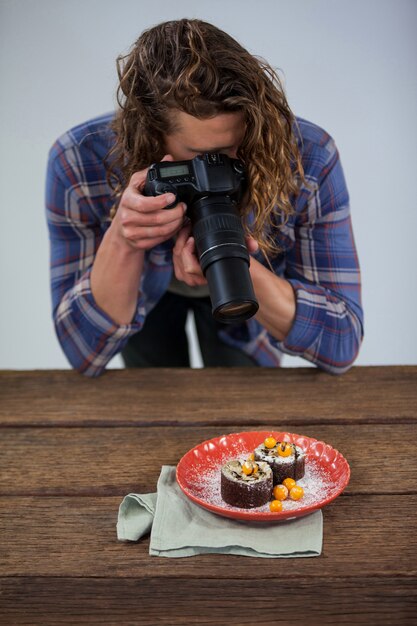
point(198, 474)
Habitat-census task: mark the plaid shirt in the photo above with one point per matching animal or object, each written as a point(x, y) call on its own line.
point(318, 258)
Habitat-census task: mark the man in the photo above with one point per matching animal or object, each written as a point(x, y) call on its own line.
point(124, 271)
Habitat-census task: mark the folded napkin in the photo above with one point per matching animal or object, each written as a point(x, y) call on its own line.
point(181, 528)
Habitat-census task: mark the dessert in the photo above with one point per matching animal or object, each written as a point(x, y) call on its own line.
point(287, 460)
point(246, 484)
point(268, 475)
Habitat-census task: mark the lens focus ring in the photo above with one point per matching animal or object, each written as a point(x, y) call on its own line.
point(213, 224)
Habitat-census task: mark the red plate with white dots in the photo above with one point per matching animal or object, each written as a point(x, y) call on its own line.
point(199, 470)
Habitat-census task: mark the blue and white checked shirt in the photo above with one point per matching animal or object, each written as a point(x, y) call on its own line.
point(319, 259)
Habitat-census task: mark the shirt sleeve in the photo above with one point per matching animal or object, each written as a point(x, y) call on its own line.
point(323, 270)
point(77, 201)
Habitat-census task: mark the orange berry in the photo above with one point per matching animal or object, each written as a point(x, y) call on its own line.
point(251, 457)
point(284, 449)
point(247, 467)
point(270, 442)
point(296, 493)
point(280, 492)
point(289, 483)
point(275, 506)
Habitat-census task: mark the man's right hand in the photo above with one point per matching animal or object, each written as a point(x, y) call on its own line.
point(143, 221)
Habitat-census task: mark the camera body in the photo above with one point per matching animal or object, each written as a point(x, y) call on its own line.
point(212, 185)
point(206, 175)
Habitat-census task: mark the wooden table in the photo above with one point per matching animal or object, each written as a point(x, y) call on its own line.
point(71, 448)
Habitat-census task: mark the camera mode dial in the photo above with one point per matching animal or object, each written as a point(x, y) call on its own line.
point(238, 166)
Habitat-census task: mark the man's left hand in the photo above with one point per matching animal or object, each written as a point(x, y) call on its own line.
point(186, 265)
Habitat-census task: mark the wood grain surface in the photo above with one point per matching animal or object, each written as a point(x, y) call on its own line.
point(71, 447)
point(211, 396)
point(76, 537)
point(152, 601)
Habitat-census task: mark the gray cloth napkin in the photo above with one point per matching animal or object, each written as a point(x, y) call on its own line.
point(181, 528)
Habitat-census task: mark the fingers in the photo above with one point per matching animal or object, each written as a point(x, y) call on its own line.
point(182, 238)
point(145, 221)
point(134, 200)
point(186, 265)
point(252, 245)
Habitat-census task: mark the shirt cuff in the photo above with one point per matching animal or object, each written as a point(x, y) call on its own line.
point(102, 324)
point(88, 336)
point(98, 321)
point(309, 322)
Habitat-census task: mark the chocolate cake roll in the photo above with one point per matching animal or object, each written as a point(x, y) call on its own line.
point(287, 460)
point(246, 487)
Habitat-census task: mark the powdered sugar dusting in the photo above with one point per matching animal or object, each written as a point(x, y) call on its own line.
point(315, 482)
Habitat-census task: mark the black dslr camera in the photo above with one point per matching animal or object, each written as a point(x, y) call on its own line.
point(212, 185)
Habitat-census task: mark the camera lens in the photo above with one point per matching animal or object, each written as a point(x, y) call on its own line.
point(234, 309)
point(231, 291)
point(224, 259)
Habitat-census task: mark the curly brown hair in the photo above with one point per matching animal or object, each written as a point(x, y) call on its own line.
point(192, 66)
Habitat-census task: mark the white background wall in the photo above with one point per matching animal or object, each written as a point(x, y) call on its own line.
point(351, 67)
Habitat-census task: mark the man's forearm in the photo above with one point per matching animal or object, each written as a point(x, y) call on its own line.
point(276, 300)
point(115, 277)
